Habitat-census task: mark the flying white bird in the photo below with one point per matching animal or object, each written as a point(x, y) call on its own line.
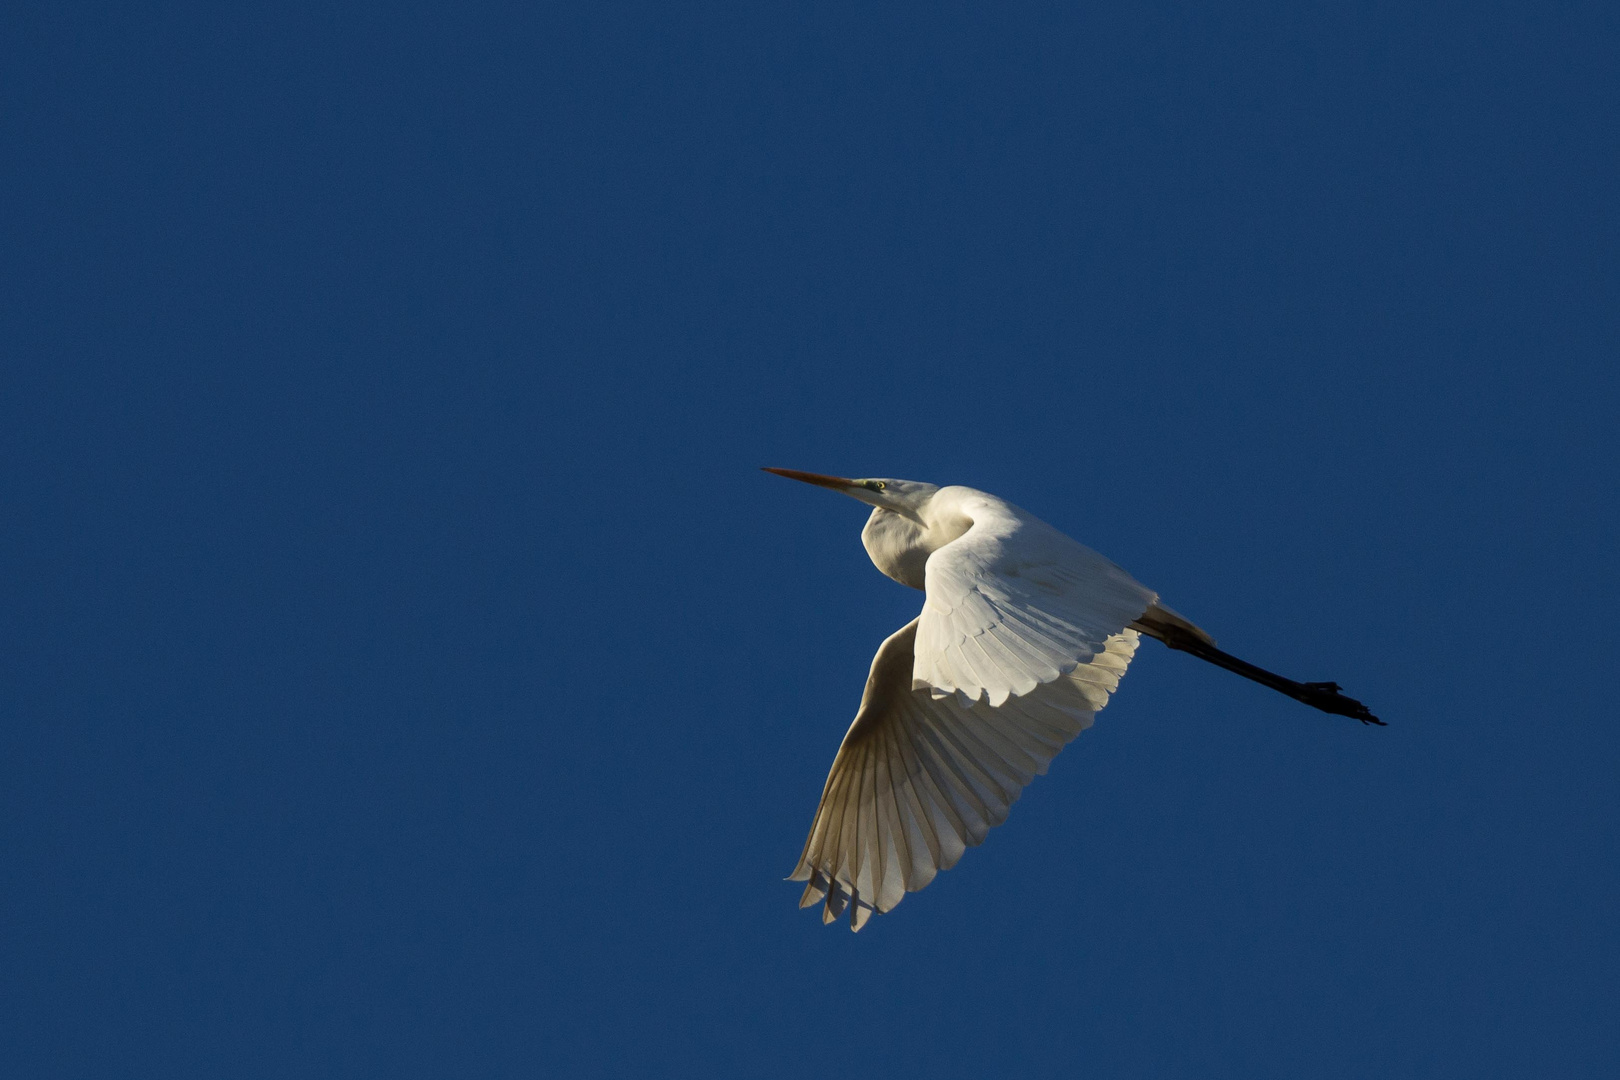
point(1023, 635)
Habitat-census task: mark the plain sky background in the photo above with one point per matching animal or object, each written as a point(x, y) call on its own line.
point(406, 671)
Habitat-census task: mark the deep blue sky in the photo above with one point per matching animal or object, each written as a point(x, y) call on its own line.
point(407, 673)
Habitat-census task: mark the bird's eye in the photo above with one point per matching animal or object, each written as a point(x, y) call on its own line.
point(875, 485)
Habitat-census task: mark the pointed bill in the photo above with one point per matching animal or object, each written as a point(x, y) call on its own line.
point(837, 483)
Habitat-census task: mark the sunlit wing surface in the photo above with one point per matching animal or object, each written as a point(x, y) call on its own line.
point(919, 778)
point(1013, 604)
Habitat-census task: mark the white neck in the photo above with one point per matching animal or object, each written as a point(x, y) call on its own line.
point(900, 546)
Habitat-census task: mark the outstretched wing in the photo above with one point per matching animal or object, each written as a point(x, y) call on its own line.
point(1013, 603)
point(920, 779)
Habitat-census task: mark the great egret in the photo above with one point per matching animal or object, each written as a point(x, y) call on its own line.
point(1023, 635)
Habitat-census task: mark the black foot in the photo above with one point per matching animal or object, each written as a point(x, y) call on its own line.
point(1326, 696)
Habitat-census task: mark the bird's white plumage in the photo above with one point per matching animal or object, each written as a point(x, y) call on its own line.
point(1011, 602)
point(920, 778)
point(1023, 635)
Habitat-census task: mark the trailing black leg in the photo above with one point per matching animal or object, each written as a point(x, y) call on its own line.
point(1318, 695)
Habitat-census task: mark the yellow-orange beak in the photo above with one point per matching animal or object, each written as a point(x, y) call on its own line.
point(837, 483)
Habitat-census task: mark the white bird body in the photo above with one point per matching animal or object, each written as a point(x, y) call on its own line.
point(1023, 635)
point(1012, 603)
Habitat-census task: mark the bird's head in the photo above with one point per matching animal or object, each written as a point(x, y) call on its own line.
point(905, 497)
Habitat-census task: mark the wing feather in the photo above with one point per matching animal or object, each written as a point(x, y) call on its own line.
point(921, 844)
point(970, 806)
point(944, 804)
point(994, 783)
point(942, 817)
point(909, 841)
point(919, 779)
point(1014, 604)
point(891, 882)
